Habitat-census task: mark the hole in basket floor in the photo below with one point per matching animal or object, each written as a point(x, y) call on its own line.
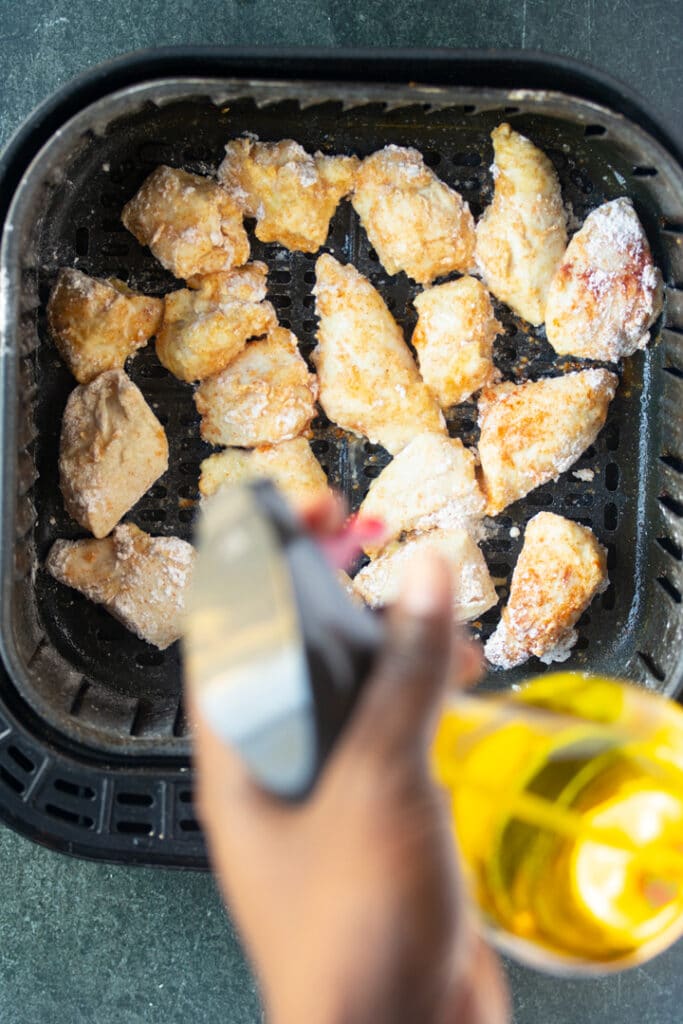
point(12, 781)
point(71, 817)
point(135, 828)
point(74, 789)
point(135, 799)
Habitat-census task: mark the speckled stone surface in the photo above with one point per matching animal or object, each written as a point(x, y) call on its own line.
point(83, 942)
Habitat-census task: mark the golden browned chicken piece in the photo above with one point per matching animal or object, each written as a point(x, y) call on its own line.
point(414, 221)
point(112, 449)
point(431, 482)
point(369, 383)
point(532, 432)
point(607, 292)
point(189, 222)
point(292, 194)
point(291, 465)
point(379, 582)
point(141, 580)
point(266, 395)
point(96, 325)
point(522, 235)
point(454, 337)
point(559, 571)
point(206, 326)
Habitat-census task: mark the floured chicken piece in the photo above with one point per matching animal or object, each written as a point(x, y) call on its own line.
point(112, 449)
point(532, 432)
point(607, 292)
point(522, 235)
point(454, 337)
point(413, 220)
point(266, 395)
point(189, 222)
point(291, 466)
point(379, 582)
point(559, 571)
point(96, 324)
point(206, 326)
point(369, 383)
point(431, 482)
point(292, 194)
point(141, 580)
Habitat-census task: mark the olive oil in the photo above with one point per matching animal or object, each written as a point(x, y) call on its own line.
point(567, 800)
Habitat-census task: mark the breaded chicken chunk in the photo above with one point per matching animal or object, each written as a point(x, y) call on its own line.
point(189, 222)
point(141, 580)
point(431, 482)
point(454, 337)
point(414, 221)
point(291, 465)
point(559, 571)
point(112, 449)
point(96, 325)
point(206, 326)
point(266, 395)
point(522, 235)
point(379, 582)
point(607, 292)
point(532, 432)
point(369, 383)
point(292, 194)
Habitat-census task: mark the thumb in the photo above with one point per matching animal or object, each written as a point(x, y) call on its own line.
point(399, 704)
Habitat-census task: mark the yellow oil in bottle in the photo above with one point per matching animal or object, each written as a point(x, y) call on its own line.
point(567, 799)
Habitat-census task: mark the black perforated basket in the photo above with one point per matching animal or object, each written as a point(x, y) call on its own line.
point(93, 743)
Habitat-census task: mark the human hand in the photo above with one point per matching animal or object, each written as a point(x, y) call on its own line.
point(351, 904)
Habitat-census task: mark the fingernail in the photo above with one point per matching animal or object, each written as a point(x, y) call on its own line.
point(424, 588)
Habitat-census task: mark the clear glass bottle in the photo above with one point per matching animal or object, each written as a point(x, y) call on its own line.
point(567, 800)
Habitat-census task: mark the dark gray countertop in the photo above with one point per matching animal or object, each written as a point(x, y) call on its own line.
point(83, 942)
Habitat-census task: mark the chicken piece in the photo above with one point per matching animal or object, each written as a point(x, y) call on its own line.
point(522, 235)
point(189, 222)
point(112, 449)
point(414, 221)
point(141, 580)
point(454, 337)
point(607, 292)
point(266, 395)
point(369, 383)
point(205, 328)
point(96, 324)
point(379, 582)
point(532, 432)
point(431, 482)
point(292, 194)
point(559, 571)
point(291, 466)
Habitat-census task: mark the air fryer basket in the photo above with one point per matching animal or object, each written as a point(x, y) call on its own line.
point(101, 690)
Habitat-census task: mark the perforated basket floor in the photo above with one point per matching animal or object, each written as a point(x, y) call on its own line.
point(113, 702)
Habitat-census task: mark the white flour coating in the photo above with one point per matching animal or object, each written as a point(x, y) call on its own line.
point(459, 514)
point(562, 649)
point(615, 227)
point(305, 170)
point(587, 475)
